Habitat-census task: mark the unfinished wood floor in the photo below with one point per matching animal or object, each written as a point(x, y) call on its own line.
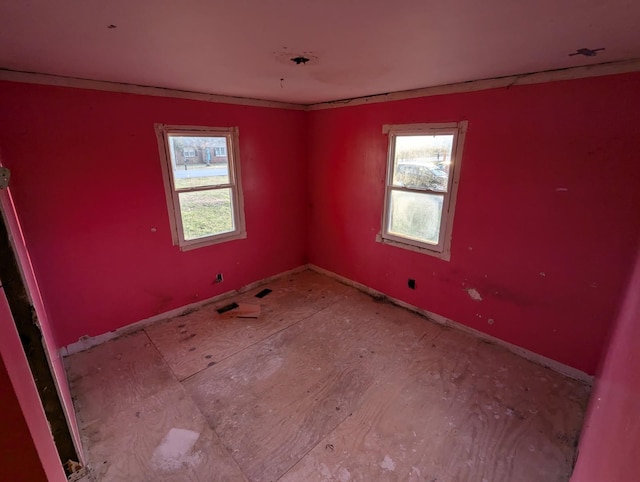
point(328, 384)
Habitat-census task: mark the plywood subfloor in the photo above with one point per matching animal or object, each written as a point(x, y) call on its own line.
point(327, 384)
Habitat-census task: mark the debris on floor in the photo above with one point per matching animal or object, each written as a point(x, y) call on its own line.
point(242, 310)
point(228, 307)
point(263, 293)
point(73, 466)
point(77, 472)
point(246, 310)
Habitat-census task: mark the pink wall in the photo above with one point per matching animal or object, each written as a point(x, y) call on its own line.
point(88, 189)
point(547, 220)
point(611, 435)
point(546, 226)
point(549, 184)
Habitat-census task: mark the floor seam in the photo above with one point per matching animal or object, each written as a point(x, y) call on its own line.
point(255, 343)
point(186, 392)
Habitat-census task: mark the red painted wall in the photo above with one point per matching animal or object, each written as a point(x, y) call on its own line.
point(610, 442)
point(87, 184)
point(547, 220)
point(545, 229)
point(18, 456)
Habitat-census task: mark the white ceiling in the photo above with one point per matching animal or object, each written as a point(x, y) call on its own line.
point(357, 47)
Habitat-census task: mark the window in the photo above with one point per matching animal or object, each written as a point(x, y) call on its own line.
point(220, 151)
point(423, 168)
point(204, 198)
point(189, 152)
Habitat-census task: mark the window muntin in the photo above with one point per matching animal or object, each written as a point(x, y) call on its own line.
point(203, 189)
point(422, 175)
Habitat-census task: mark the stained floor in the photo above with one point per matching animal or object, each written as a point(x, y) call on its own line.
point(328, 384)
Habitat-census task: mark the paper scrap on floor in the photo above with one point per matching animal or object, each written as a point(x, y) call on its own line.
point(246, 310)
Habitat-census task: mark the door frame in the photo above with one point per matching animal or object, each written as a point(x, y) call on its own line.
point(33, 337)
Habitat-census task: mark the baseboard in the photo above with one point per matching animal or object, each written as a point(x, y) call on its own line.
point(86, 342)
point(522, 352)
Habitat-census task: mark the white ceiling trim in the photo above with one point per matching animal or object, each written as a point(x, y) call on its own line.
point(59, 81)
point(595, 70)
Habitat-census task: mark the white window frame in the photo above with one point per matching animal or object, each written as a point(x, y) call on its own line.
point(442, 249)
point(173, 204)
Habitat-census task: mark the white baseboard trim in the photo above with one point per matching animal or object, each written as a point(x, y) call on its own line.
point(522, 352)
point(86, 342)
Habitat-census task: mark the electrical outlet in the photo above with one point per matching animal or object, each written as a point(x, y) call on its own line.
point(219, 278)
point(411, 283)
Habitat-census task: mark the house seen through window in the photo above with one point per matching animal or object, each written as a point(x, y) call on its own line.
point(202, 182)
point(422, 178)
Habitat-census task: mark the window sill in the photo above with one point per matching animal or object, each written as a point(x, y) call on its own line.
point(444, 255)
point(211, 241)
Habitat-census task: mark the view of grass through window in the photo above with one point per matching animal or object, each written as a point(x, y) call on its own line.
point(200, 168)
point(206, 212)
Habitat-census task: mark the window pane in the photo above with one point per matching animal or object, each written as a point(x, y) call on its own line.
point(416, 215)
point(199, 161)
point(205, 213)
point(422, 162)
